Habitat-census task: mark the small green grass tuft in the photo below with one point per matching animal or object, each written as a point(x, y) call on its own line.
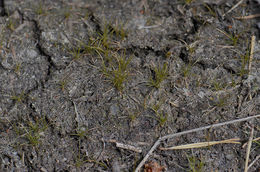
point(186, 70)
point(160, 74)
point(244, 59)
point(105, 37)
point(233, 38)
point(76, 53)
point(222, 101)
point(117, 71)
point(33, 131)
point(17, 67)
point(120, 31)
point(39, 10)
point(211, 11)
point(195, 164)
point(187, 2)
point(161, 117)
point(18, 98)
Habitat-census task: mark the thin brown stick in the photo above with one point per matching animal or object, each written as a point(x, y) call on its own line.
point(248, 149)
point(127, 147)
point(202, 144)
point(251, 53)
point(256, 139)
point(252, 163)
point(248, 17)
point(157, 143)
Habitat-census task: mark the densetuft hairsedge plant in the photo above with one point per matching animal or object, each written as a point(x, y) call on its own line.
point(32, 131)
point(19, 98)
point(195, 164)
point(161, 116)
point(117, 71)
point(160, 74)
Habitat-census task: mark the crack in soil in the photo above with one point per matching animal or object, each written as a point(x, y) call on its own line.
point(2, 8)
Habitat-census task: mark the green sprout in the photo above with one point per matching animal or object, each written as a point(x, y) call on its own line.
point(39, 10)
point(33, 132)
point(161, 117)
point(18, 98)
point(120, 31)
point(244, 59)
point(76, 53)
point(195, 164)
point(161, 74)
point(118, 71)
point(233, 38)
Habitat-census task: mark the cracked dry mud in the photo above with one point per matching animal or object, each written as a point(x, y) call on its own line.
point(59, 111)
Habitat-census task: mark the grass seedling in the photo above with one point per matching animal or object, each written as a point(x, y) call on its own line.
point(17, 68)
point(212, 12)
point(76, 53)
point(18, 98)
point(244, 59)
point(222, 101)
point(39, 10)
point(233, 38)
point(10, 24)
point(95, 46)
point(105, 36)
point(33, 132)
point(195, 164)
point(67, 13)
point(63, 84)
point(160, 74)
point(218, 85)
point(118, 71)
point(187, 2)
point(186, 70)
point(120, 31)
point(160, 116)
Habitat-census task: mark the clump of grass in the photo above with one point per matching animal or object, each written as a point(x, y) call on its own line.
point(120, 31)
point(187, 2)
point(195, 164)
point(105, 37)
point(63, 84)
point(222, 101)
point(244, 59)
point(39, 10)
point(211, 11)
point(186, 70)
point(17, 68)
point(161, 117)
point(10, 25)
point(160, 74)
point(33, 132)
point(218, 85)
point(232, 37)
point(18, 98)
point(76, 53)
point(117, 72)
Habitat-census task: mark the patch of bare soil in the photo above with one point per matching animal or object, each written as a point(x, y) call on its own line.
point(104, 85)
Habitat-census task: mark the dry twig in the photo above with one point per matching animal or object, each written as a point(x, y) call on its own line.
point(256, 139)
point(252, 163)
point(157, 143)
point(249, 148)
point(202, 144)
point(125, 146)
point(251, 53)
point(248, 17)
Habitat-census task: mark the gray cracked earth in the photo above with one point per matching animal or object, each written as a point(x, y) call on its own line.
point(61, 110)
